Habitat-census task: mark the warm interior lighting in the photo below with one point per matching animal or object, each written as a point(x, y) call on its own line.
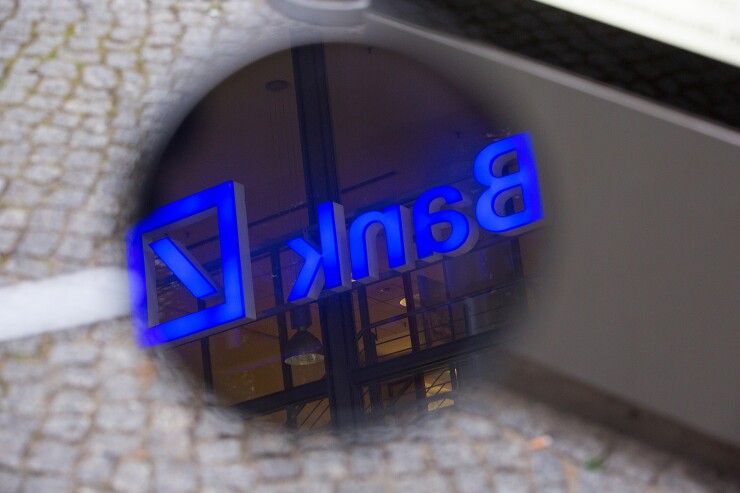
point(417, 298)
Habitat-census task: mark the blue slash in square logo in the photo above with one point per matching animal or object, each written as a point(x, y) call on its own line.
point(149, 238)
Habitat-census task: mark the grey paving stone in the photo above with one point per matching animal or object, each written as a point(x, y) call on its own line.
point(636, 460)
point(27, 399)
point(278, 468)
point(123, 416)
point(11, 94)
point(405, 458)
point(81, 378)
point(46, 134)
point(219, 452)
point(95, 469)
point(172, 419)
point(121, 387)
point(43, 174)
point(66, 198)
point(58, 69)
point(238, 476)
point(604, 482)
point(268, 444)
point(325, 464)
point(44, 102)
point(88, 139)
point(37, 484)
point(67, 427)
point(367, 461)
point(25, 115)
point(453, 454)
point(55, 87)
point(503, 453)
point(112, 444)
point(23, 347)
point(581, 441)
point(67, 120)
point(8, 240)
point(76, 248)
point(92, 223)
point(44, 219)
point(358, 486)
point(84, 160)
point(13, 443)
point(682, 478)
point(22, 193)
point(26, 267)
point(39, 244)
point(170, 446)
point(79, 178)
point(11, 481)
point(173, 477)
point(74, 353)
point(73, 401)
point(14, 154)
point(511, 481)
point(548, 474)
point(87, 107)
point(476, 427)
point(472, 480)
point(21, 371)
point(213, 423)
point(52, 457)
point(430, 482)
point(132, 476)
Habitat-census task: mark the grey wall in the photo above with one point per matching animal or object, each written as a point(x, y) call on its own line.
point(642, 294)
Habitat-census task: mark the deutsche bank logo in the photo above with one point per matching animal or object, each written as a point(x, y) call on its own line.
point(438, 224)
point(148, 238)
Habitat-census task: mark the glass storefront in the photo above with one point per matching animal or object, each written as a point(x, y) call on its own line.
point(366, 128)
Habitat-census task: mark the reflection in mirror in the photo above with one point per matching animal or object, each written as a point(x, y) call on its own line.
point(366, 128)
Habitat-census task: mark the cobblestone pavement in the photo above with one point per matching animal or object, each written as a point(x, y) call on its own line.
point(83, 410)
point(83, 85)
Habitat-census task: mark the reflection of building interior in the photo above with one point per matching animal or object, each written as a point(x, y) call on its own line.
point(402, 345)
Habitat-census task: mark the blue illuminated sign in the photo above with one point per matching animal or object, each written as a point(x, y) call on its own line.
point(330, 267)
point(430, 222)
point(177, 258)
point(148, 238)
point(488, 169)
point(396, 221)
point(437, 225)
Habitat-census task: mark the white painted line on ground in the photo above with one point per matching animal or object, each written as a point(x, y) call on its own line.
point(63, 302)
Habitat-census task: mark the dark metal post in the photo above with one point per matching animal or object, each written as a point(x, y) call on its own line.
point(322, 185)
point(368, 342)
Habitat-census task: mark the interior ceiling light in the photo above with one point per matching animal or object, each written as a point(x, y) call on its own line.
point(417, 298)
point(304, 348)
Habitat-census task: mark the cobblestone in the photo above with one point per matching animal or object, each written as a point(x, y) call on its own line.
point(67, 427)
point(278, 468)
point(34, 484)
point(132, 476)
point(175, 477)
point(219, 452)
point(52, 457)
point(95, 469)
